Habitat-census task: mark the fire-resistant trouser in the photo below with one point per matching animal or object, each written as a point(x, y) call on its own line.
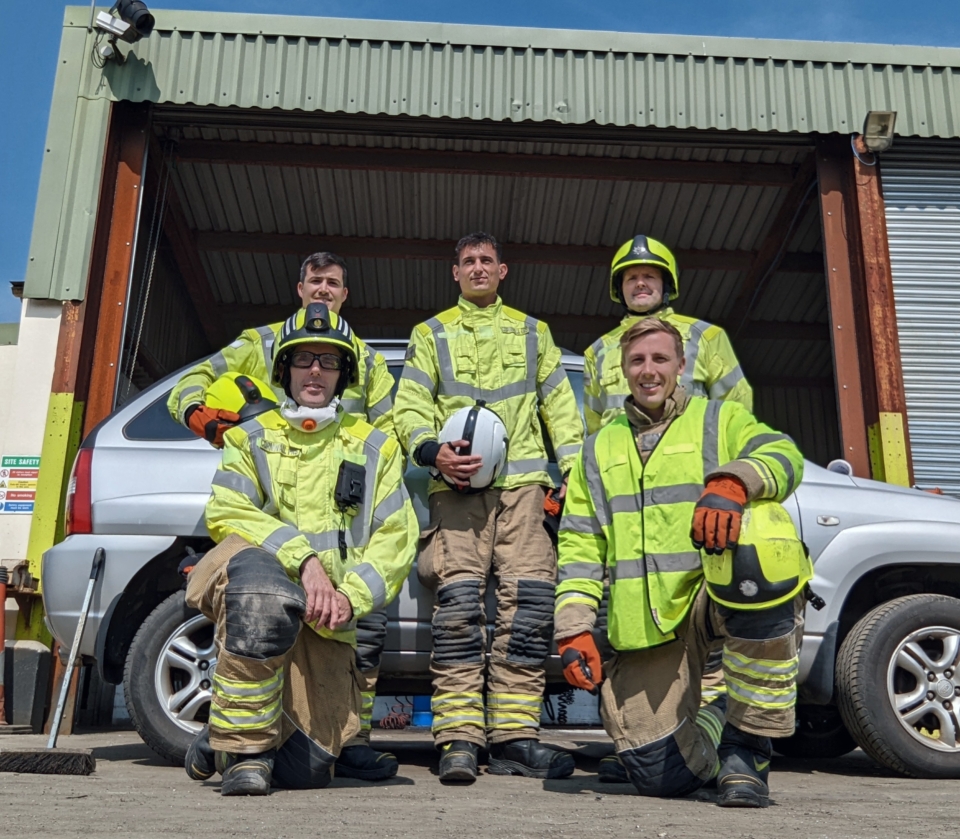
point(274, 686)
point(468, 536)
point(650, 700)
point(371, 636)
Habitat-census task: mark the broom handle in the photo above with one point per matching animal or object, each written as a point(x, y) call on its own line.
point(98, 559)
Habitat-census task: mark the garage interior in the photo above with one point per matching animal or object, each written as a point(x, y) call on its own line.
point(235, 199)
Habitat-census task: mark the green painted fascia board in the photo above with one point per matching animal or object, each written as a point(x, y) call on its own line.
point(9, 333)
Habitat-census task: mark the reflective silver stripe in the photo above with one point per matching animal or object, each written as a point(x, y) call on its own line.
point(599, 356)
point(673, 494)
point(390, 505)
point(677, 562)
point(186, 393)
point(267, 338)
point(328, 540)
point(628, 569)
point(362, 524)
point(525, 467)
point(497, 394)
point(690, 352)
point(263, 470)
point(581, 524)
point(238, 483)
point(624, 504)
point(568, 451)
point(594, 482)
point(444, 361)
point(384, 406)
point(612, 401)
point(741, 663)
point(416, 433)
point(227, 687)
point(238, 719)
point(552, 382)
point(373, 581)
point(580, 571)
point(787, 466)
point(219, 364)
point(414, 374)
point(279, 538)
point(760, 698)
point(763, 440)
point(593, 403)
point(711, 437)
point(353, 406)
point(723, 386)
point(532, 344)
point(765, 474)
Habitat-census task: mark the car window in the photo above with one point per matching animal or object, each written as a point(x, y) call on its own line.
point(155, 423)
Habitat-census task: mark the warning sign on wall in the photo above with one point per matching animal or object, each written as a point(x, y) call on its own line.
point(18, 483)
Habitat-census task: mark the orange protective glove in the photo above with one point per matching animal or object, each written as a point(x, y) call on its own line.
point(211, 423)
point(580, 658)
point(717, 516)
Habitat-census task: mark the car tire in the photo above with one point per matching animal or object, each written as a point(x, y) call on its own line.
point(820, 733)
point(168, 700)
point(889, 657)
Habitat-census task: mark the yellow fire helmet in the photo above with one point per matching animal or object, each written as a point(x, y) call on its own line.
point(315, 324)
point(770, 564)
point(642, 250)
point(242, 394)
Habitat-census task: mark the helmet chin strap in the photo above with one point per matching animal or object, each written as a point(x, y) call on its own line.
point(309, 419)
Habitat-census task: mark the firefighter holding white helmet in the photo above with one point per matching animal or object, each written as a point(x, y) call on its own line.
point(483, 350)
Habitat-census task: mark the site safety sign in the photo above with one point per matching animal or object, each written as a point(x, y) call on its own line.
point(18, 483)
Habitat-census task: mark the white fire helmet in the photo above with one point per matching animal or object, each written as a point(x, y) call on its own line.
point(487, 437)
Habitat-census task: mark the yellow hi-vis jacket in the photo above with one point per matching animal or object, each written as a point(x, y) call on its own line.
point(275, 488)
point(634, 519)
point(505, 358)
point(252, 355)
point(712, 368)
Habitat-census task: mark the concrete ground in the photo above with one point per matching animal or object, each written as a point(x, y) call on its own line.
point(133, 793)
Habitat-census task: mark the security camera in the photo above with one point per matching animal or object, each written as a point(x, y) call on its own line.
point(128, 20)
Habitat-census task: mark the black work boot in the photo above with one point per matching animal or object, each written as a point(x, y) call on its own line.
point(246, 774)
point(458, 762)
point(744, 769)
point(200, 761)
point(531, 759)
point(366, 764)
point(612, 771)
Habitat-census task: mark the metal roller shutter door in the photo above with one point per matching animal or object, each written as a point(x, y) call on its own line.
point(921, 189)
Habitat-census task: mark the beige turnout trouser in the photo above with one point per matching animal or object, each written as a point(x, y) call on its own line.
point(650, 699)
point(469, 536)
point(273, 682)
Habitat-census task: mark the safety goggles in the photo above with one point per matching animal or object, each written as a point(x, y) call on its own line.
point(328, 360)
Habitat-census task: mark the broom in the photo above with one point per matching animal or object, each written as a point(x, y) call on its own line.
point(51, 760)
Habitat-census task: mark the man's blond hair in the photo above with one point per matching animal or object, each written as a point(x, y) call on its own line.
point(645, 327)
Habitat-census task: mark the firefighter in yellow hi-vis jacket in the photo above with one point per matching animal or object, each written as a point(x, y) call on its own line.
point(677, 500)
point(484, 351)
point(323, 279)
point(314, 526)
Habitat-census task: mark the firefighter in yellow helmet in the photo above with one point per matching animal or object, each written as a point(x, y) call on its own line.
point(323, 279)
point(483, 350)
point(314, 526)
point(645, 279)
point(677, 500)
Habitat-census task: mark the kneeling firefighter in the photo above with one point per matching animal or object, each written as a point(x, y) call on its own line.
point(314, 526)
point(670, 460)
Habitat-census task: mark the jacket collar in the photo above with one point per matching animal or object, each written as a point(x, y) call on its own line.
point(472, 312)
point(673, 407)
point(630, 318)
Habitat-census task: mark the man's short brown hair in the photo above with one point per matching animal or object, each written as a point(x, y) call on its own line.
point(644, 327)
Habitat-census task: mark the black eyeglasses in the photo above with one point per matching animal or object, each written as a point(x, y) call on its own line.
point(328, 360)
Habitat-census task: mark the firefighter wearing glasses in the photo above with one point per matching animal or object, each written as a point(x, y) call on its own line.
point(482, 350)
point(677, 500)
point(323, 279)
point(314, 526)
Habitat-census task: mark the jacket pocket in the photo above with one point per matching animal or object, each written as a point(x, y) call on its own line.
point(430, 557)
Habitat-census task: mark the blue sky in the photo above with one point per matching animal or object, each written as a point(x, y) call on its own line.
point(31, 30)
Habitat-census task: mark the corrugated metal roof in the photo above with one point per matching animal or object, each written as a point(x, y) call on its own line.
point(506, 74)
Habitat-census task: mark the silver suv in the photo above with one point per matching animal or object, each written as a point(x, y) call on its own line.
point(880, 663)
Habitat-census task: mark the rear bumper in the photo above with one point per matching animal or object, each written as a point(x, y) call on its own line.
point(66, 572)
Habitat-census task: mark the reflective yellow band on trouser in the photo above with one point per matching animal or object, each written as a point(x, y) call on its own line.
point(759, 696)
point(242, 719)
point(246, 706)
point(508, 711)
point(366, 710)
point(455, 710)
point(760, 668)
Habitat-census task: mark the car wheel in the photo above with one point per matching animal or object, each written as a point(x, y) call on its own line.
point(167, 677)
point(820, 733)
point(898, 685)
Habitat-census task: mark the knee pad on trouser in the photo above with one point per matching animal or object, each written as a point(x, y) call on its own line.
point(673, 766)
point(371, 635)
point(458, 632)
point(263, 606)
point(302, 764)
point(532, 625)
